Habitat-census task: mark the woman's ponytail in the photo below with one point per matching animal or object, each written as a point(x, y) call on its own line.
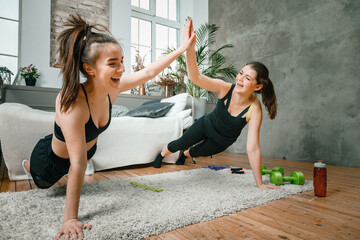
point(269, 97)
point(267, 91)
point(71, 44)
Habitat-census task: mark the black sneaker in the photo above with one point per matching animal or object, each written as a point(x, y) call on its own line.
point(158, 161)
point(181, 159)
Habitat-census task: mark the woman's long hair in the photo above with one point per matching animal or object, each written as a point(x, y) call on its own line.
point(267, 91)
point(76, 48)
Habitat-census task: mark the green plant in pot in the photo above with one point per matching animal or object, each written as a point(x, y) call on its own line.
point(30, 74)
point(211, 63)
point(149, 88)
point(5, 77)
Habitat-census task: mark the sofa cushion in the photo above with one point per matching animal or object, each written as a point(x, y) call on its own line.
point(180, 103)
point(187, 122)
point(151, 102)
point(153, 110)
point(118, 111)
point(184, 114)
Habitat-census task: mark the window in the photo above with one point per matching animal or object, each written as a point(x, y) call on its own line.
point(155, 26)
point(9, 30)
point(169, 39)
point(166, 9)
point(141, 39)
point(145, 4)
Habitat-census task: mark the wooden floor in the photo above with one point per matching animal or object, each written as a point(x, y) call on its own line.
point(302, 216)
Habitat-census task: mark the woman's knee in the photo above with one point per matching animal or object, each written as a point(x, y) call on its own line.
point(194, 152)
point(179, 144)
point(173, 146)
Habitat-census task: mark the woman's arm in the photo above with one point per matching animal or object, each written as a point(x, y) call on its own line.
point(253, 146)
point(130, 81)
point(72, 126)
point(211, 84)
point(214, 85)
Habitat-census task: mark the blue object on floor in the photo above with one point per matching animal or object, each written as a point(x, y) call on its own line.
point(217, 167)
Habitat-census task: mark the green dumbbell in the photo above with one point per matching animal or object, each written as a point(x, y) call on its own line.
point(296, 178)
point(275, 169)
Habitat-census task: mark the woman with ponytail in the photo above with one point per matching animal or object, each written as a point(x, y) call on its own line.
point(237, 105)
point(83, 110)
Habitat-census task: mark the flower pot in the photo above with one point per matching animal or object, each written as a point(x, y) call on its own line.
point(142, 89)
point(30, 81)
point(167, 91)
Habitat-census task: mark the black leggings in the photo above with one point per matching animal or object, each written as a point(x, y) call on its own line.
point(204, 147)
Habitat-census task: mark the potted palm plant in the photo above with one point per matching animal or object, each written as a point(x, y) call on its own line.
point(211, 63)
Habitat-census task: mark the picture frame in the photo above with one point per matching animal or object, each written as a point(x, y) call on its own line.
point(95, 11)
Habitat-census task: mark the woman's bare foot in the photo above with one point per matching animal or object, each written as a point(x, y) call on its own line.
point(26, 165)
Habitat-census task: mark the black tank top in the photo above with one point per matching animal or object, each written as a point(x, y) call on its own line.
point(91, 131)
point(221, 126)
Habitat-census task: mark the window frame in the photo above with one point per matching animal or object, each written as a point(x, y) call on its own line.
point(150, 15)
point(18, 43)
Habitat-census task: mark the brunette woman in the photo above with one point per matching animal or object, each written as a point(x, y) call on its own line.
point(237, 105)
point(83, 110)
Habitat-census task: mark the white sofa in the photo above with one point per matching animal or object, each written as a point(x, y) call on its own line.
point(127, 141)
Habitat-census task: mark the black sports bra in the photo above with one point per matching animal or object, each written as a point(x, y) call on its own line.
point(221, 125)
point(91, 131)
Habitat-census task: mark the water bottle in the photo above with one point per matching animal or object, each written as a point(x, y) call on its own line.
point(320, 178)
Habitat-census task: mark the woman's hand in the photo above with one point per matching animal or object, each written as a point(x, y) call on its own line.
point(132, 80)
point(189, 37)
point(265, 186)
point(74, 228)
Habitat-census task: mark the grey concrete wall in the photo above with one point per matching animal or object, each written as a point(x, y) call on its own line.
point(312, 49)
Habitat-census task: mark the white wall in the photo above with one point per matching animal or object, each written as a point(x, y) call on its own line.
point(200, 13)
point(197, 9)
point(35, 33)
point(35, 41)
point(120, 25)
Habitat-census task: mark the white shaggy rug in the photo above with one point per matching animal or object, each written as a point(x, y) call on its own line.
point(120, 210)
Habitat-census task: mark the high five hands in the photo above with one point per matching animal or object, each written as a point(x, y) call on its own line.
point(189, 36)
